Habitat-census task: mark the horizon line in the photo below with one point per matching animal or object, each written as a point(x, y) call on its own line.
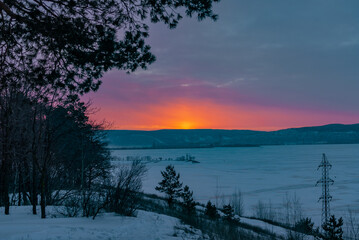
point(231, 129)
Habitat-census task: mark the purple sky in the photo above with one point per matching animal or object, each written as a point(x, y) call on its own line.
point(262, 65)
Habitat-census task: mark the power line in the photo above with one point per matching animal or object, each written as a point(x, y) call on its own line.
point(325, 181)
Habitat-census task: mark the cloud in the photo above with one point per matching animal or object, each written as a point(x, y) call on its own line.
point(296, 56)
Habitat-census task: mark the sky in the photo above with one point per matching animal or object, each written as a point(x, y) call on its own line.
point(264, 65)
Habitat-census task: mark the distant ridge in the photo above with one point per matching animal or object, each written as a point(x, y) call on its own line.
point(204, 138)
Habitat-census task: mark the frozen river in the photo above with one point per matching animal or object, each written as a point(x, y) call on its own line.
point(268, 173)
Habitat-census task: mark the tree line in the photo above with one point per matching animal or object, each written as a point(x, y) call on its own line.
point(52, 53)
point(47, 149)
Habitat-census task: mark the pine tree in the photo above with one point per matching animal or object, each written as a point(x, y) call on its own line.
point(305, 225)
point(211, 210)
point(228, 212)
point(170, 185)
point(188, 202)
point(333, 229)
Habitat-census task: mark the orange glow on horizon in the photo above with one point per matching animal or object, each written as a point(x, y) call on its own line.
point(186, 125)
point(195, 114)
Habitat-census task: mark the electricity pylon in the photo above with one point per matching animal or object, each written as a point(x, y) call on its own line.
point(325, 181)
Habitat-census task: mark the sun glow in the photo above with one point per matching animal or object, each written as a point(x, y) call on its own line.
point(195, 114)
point(185, 125)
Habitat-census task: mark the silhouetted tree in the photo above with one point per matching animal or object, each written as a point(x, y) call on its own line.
point(69, 44)
point(170, 184)
point(85, 165)
point(188, 202)
point(211, 210)
point(333, 229)
point(228, 212)
point(53, 51)
point(46, 148)
point(126, 194)
point(305, 225)
point(236, 201)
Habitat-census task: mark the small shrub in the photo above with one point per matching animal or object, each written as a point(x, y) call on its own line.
point(125, 196)
point(94, 200)
point(293, 235)
point(71, 206)
point(305, 225)
point(228, 212)
point(211, 210)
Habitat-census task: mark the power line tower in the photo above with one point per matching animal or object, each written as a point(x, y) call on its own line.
point(325, 181)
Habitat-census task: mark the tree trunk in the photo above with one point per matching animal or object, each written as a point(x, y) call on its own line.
point(34, 161)
point(5, 184)
point(34, 192)
point(5, 166)
point(43, 196)
point(19, 187)
point(26, 187)
point(5, 194)
point(7, 204)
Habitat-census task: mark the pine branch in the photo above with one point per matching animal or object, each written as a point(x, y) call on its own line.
point(6, 9)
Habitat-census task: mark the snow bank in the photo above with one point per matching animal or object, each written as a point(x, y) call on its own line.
point(21, 224)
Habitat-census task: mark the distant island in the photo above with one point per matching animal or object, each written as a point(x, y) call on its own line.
point(209, 138)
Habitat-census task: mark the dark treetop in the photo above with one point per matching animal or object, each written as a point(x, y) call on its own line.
point(69, 44)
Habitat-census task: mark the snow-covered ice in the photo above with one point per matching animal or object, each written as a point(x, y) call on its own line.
point(267, 173)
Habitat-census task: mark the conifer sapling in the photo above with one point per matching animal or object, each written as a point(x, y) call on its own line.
point(211, 210)
point(333, 229)
point(228, 212)
point(170, 184)
point(188, 202)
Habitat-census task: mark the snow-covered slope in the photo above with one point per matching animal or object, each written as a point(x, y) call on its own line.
point(21, 224)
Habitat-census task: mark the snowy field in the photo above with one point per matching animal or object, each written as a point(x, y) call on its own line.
point(266, 173)
point(22, 225)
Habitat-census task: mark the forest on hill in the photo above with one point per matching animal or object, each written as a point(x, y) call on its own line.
point(327, 134)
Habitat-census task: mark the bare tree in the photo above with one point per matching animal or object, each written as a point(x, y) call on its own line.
point(293, 209)
point(265, 211)
point(237, 202)
point(352, 225)
point(127, 181)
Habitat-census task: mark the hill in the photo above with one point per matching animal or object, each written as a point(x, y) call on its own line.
point(194, 138)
